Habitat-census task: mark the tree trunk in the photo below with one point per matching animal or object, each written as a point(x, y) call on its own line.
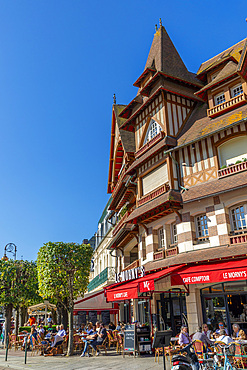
point(64, 318)
point(54, 316)
point(71, 332)
point(17, 314)
point(8, 314)
point(59, 313)
point(23, 315)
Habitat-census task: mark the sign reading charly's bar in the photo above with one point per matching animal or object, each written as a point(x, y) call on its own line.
point(130, 274)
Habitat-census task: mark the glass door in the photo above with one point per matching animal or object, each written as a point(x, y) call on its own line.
point(215, 311)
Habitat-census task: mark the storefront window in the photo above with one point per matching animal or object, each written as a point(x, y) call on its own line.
point(225, 302)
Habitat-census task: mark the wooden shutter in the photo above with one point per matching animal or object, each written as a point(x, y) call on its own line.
point(154, 179)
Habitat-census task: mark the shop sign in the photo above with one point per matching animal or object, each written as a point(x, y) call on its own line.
point(130, 274)
point(210, 276)
point(121, 295)
point(146, 286)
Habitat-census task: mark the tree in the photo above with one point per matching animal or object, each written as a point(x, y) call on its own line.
point(63, 274)
point(18, 287)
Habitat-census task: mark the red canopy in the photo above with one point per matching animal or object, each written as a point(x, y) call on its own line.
point(130, 289)
point(211, 273)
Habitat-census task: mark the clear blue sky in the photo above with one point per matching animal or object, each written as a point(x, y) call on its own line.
point(60, 63)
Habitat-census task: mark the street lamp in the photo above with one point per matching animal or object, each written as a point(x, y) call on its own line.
point(10, 248)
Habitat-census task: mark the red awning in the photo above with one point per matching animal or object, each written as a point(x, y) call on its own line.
point(130, 289)
point(211, 273)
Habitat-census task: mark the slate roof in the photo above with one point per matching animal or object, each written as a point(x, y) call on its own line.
point(217, 186)
point(127, 137)
point(227, 71)
point(232, 52)
point(207, 254)
point(165, 58)
point(199, 124)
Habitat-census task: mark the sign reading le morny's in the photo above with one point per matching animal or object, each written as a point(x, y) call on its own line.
point(130, 274)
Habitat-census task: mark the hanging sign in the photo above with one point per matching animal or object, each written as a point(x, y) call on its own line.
point(130, 274)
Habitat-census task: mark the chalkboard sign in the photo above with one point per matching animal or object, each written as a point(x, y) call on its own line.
point(82, 317)
point(92, 316)
point(105, 317)
point(130, 338)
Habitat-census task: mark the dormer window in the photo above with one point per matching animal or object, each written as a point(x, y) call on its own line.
point(237, 90)
point(153, 130)
point(219, 99)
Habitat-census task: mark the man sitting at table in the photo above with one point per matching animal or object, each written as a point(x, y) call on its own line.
point(102, 334)
point(61, 332)
point(202, 337)
point(91, 336)
point(224, 337)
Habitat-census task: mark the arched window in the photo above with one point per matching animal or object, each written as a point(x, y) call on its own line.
point(233, 150)
point(238, 217)
point(153, 130)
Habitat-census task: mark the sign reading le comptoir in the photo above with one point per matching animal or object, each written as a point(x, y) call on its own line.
point(130, 274)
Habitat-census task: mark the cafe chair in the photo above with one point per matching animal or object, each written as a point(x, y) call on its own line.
point(239, 357)
point(102, 346)
point(120, 344)
point(111, 340)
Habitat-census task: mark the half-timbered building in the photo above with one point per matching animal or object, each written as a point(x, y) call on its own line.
point(178, 181)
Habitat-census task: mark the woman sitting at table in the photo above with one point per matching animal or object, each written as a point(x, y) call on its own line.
point(91, 335)
point(235, 328)
point(184, 338)
point(242, 335)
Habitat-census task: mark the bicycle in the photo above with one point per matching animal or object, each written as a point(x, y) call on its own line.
point(228, 350)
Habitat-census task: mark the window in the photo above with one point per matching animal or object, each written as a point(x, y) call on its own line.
point(233, 150)
point(202, 227)
point(174, 233)
point(219, 99)
point(236, 90)
point(161, 235)
point(153, 130)
point(154, 179)
point(238, 217)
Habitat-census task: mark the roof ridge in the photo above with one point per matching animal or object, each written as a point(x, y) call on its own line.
point(230, 47)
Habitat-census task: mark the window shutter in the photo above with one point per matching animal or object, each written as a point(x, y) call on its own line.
point(154, 179)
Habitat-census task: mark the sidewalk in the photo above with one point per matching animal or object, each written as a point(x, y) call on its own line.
point(111, 361)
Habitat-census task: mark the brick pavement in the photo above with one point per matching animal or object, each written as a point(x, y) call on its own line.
point(109, 362)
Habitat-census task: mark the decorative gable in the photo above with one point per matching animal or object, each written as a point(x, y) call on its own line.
point(153, 129)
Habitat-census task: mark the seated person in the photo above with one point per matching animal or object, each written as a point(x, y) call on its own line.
point(119, 326)
point(61, 332)
point(202, 337)
point(235, 329)
point(242, 335)
point(28, 339)
point(112, 326)
point(102, 334)
point(91, 336)
point(41, 331)
point(206, 331)
point(221, 327)
point(184, 338)
point(224, 337)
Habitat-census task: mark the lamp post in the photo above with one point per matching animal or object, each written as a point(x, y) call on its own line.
point(10, 248)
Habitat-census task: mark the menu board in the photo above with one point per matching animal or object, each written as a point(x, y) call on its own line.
point(105, 317)
point(92, 316)
point(129, 338)
point(82, 317)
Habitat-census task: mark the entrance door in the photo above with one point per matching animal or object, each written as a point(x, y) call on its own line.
point(172, 313)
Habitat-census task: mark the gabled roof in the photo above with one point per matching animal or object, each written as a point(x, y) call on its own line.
point(165, 58)
point(233, 53)
point(227, 72)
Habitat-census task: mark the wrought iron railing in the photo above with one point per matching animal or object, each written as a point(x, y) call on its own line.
point(107, 274)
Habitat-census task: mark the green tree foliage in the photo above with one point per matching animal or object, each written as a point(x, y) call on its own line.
point(18, 286)
point(63, 274)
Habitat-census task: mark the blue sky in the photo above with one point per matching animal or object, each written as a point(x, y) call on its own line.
point(60, 63)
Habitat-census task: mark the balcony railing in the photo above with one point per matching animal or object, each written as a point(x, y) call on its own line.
point(159, 255)
point(171, 251)
point(120, 224)
point(132, 265)
point(239, 237)
point(108, 274)
point(227, 105)
point(149, 144)
point(235, 168)
point(153, 194)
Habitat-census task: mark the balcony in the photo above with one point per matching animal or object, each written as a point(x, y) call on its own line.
point(120, 224)
point(149, 144)
point(231, 170)
point(108, 274)
point(227, 105)
point(153, 194)
point(132, 265)
point(239, 237)
point(159, 255)
point(171, 251)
